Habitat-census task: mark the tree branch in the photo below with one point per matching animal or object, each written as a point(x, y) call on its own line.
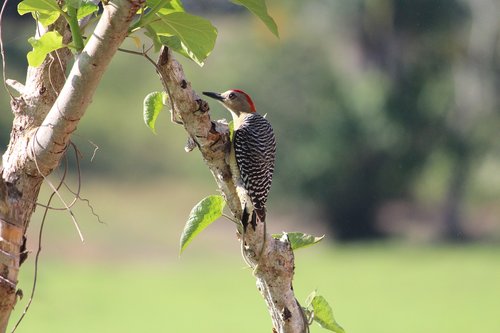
point(18, 187)
point(275, 267)
point(52, 138)
point(45, 114)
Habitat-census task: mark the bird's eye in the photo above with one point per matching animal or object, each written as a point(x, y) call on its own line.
point(232, 96)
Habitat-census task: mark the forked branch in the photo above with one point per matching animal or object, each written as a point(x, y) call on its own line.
point(45, 115)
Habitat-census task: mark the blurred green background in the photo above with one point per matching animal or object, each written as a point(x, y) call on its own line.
point(387, 116)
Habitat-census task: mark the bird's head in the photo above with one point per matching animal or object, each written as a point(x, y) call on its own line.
point(236, 101)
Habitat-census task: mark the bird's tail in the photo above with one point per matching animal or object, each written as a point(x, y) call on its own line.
point(251, 217)
point(256, 214)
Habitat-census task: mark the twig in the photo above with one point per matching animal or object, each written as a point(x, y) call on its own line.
point(96, 148)
point(275, 268)
point(232, 219)
point(145, 55)
point(77, 193)
point(39, 250)
point(68, 209)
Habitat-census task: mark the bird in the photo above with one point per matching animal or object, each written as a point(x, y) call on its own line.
point(253, 153)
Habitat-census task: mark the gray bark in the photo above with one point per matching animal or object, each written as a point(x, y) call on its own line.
point(46, 112)
point(275, 268)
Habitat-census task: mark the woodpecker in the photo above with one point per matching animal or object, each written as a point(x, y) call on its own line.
point(252, 154)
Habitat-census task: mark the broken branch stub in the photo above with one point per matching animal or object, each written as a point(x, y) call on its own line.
point(275, 268)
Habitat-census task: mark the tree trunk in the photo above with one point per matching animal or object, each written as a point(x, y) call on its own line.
point(457, 188)
point(46, 112)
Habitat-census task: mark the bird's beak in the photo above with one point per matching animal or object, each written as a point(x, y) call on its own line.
point(216, 96)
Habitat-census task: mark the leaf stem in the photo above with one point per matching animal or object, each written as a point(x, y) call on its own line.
point(75, 28)
point(148, 17)
point(232, 219)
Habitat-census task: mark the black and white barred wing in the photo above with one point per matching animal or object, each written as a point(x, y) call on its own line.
point(255, 151)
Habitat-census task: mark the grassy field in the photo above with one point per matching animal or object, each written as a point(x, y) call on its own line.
point(127, 277)
point(384, 288)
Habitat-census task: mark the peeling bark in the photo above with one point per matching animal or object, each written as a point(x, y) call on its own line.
point(47, 112)
point(275, 268)
point(19, 181)
point(45, 115)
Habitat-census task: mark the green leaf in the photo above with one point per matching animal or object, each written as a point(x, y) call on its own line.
point(174, 43)
point(299, 239)
point(47, 11)
point(154, 38)
point(47, 19)
point(49, 42)
point(323, 313)
point(259, 8)
point(45, 6)
point(231, 130)
point(202, 215)
point(73, 3)
point(153, 104)
point(168, 7)
point(196, 35)
point(153, 9)
point(86, 8)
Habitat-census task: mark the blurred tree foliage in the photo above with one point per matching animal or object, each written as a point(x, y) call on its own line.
point(368, 93)
point(361, 94)
point(16, 47)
